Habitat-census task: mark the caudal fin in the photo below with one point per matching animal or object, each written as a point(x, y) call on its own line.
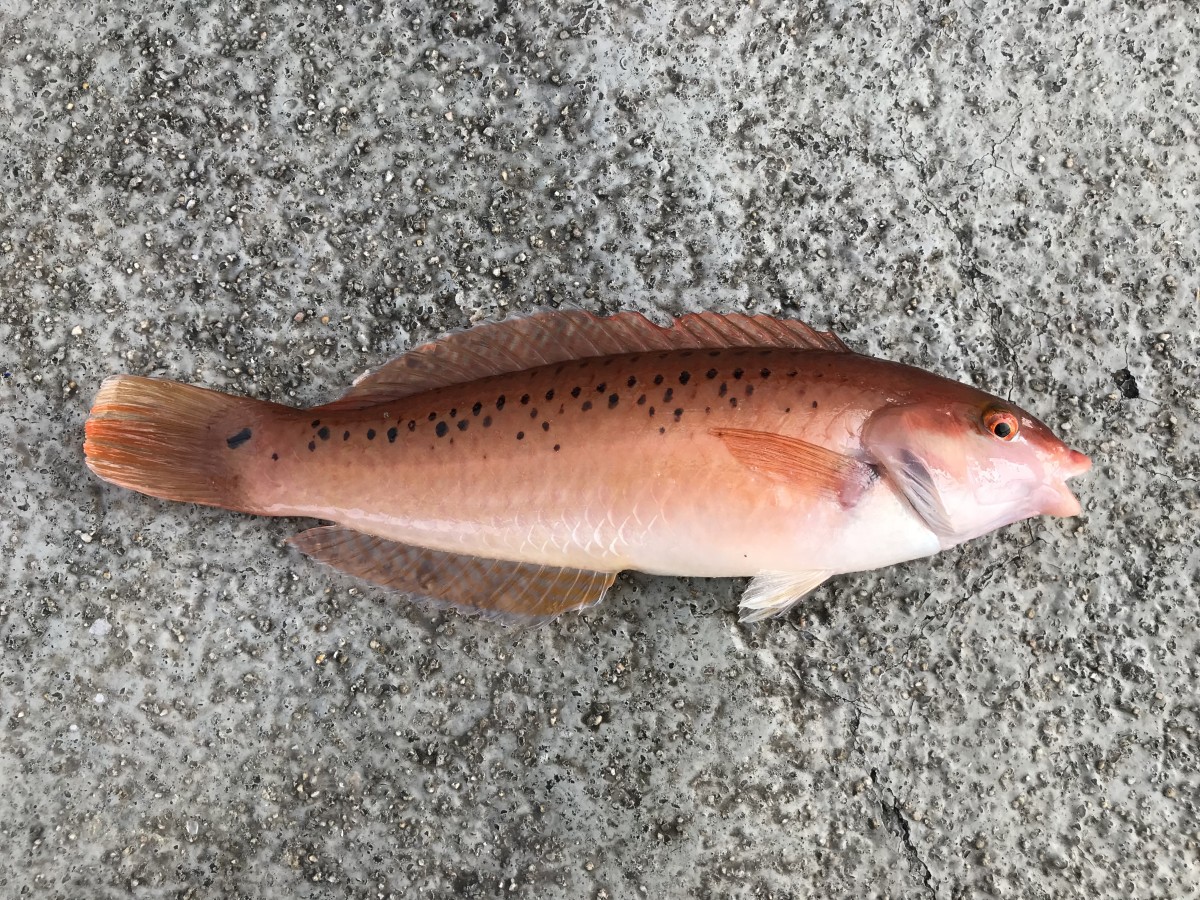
point(172, 440)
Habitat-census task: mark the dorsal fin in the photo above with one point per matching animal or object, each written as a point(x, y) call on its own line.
point(556, 336)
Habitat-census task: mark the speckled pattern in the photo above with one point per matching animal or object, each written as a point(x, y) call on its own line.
point(271, 199)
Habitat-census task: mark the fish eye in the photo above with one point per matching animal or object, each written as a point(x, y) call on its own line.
point(1001, 423)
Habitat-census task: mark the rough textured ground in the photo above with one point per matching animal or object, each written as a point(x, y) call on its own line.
point(272, 198)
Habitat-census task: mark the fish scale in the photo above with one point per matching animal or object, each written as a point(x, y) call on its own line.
point(721, 446)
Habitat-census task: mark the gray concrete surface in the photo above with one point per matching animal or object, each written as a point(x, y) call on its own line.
point(272, 198)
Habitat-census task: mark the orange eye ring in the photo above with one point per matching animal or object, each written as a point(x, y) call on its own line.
point(1001, 423)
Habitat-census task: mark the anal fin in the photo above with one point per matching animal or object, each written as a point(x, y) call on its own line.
point(774, 593)
point(516, 591)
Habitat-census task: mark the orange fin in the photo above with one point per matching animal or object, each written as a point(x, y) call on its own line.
point(793, 460)
point(492, 587)
point(556, 336)
point(171, 440)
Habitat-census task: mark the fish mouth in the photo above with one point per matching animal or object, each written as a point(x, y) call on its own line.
point(1057, 498)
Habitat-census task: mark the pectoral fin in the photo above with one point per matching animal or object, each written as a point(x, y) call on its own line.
point(507, 590)
point(774, 593)
point(799, 462)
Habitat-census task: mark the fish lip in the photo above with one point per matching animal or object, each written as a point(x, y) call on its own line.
point(1074, 464)
point(1057, 500)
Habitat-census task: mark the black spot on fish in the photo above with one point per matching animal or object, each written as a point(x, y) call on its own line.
point(678, 414)
point(670, 392)
point(658, 379)
point(652, 411)
point(749, 390)
point(432, 416)
point(737, 374)
point(520, 435)
point(550, 394)
point(685, 377)
point(500, 402)
point(632, 381)
point(533, 413)
point(441, 429)
point(275, 457)
point(557, 447)
point(641, 401)
point(613, 399)
point(788, 410)
point(714, 352)
point(707, 410)
point(476, 409)
point(814, 404)
point(587, 404)
point(733, 402)
point(662, 430)
point(710, 374)
point(454, 413)
point(487, 421)
point(312, 445)
point(370, 434)
point(575, 392)
point(545, 426)
point(764, 372)
point(462, 424)
point(601, 387)
point(316, 423)
point(392, 432)
point(235, 441)
point(412, 425)
point(345, 435)
point(524, 399)
point(723, 390)
point(323, 434)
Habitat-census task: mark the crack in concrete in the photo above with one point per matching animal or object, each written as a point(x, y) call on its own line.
point(898, 826)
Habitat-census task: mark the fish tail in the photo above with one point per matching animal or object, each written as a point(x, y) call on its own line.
point(173, 441)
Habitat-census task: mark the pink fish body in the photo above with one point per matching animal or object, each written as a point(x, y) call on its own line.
point(517, 467)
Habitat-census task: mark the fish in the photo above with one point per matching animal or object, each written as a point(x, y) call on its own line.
point(514, 469)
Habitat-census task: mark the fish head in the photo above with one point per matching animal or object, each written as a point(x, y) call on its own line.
point(974, 463)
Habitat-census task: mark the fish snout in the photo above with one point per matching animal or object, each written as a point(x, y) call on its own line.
point(1074, 463)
